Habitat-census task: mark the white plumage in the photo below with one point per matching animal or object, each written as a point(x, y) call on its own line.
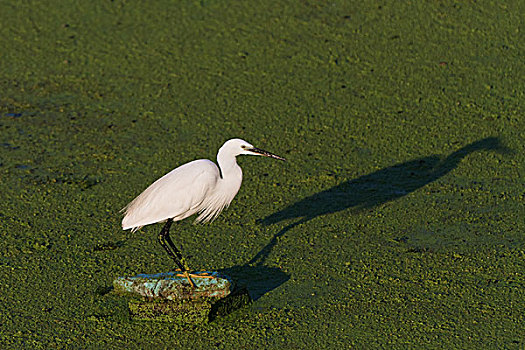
point(195, 187)
point(180, 193)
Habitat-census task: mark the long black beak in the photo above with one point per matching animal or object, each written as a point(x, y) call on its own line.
point(264, 153)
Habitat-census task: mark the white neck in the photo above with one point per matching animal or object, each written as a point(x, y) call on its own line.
point(230, 170)
point(231, 177)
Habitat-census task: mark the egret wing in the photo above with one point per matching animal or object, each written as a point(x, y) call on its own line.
point(176, 195)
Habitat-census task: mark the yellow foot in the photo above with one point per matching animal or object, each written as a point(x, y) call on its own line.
point(187, 275)
point(194, 275)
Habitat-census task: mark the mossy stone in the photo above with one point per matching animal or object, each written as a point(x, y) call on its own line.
point(169, 296)
point(187, 311)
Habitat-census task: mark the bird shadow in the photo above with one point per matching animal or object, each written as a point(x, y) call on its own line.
point(381, 186)
point(358, 194)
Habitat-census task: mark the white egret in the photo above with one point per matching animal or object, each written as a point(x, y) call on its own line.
point(198, 187)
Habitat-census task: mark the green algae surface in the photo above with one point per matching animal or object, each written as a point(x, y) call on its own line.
point(397, 222)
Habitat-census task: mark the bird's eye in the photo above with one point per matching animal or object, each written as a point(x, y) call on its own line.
point(244, 147)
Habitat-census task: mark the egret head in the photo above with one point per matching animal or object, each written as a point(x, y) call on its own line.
point(238, 147)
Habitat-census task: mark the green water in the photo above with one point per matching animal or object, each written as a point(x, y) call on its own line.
point(397, 222)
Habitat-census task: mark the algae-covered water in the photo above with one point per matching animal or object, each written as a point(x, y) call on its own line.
point(397, 222)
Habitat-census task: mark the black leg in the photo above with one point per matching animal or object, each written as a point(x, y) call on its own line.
point(172, 251)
